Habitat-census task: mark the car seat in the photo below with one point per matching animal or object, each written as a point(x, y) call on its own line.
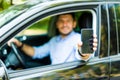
point(85, 20)
point(52, 30)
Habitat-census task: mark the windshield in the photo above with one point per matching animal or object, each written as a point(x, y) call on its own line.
point(12, 12)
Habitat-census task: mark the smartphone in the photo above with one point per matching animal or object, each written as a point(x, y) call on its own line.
point(86, 35)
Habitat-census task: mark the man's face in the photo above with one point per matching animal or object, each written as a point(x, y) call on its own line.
point(65, 24)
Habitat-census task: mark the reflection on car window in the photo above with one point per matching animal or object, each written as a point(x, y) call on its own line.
point(15, 10)
point(104, 33)
point(117, 10)
point(114, 28)
point(8, 16)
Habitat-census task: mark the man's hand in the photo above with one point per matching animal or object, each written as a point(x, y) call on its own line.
point(85, 56)
point(17, 42)
point(93, 44)
point(29, 50)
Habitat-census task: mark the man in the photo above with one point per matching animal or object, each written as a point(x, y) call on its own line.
point(63, 47)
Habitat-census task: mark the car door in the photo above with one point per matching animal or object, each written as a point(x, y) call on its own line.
point(97, 67)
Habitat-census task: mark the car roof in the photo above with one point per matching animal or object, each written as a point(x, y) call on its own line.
point(16, 10)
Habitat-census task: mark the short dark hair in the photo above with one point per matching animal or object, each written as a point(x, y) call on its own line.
point(72, 14)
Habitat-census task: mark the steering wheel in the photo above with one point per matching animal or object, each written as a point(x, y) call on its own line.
point(17, 53)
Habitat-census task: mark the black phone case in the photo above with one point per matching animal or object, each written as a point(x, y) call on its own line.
point(86, 35)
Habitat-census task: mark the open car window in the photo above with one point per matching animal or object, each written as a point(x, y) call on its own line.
point(38, 34)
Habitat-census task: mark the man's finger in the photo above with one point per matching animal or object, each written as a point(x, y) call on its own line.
point(80, 44)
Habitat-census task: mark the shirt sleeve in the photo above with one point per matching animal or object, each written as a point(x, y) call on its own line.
point(41, 51)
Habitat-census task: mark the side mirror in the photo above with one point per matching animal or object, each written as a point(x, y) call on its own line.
point(3, 71)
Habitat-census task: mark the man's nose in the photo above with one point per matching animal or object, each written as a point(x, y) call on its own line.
point(65, 24)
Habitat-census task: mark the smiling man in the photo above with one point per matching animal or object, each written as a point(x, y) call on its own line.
point(61, 48)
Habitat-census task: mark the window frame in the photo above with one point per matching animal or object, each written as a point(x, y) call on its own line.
point(28, 22)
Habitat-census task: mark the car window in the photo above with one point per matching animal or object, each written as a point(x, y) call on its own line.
point(117, 11)
point(40, 33)
point(110, 30)
point(104, 33)
point(84, 20)
point(114, 11)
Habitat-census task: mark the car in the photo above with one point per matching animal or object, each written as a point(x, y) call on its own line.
point(31, 23)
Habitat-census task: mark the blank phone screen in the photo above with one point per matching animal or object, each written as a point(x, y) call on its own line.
point(86, 35)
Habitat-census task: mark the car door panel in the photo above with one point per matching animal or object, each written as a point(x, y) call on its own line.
point(115, 67)
point(71, 71)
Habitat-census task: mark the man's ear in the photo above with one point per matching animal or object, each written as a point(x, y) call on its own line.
point(74, 24)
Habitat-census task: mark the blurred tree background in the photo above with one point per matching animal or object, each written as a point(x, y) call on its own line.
point(4, 4)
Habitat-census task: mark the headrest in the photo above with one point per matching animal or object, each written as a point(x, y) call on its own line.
point(52, 30)
point(85, 20)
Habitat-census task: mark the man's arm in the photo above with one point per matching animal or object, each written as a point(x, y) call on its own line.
point(28, 50)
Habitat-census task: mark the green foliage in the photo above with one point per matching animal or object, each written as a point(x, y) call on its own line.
point(42, 24)
point(4, 4)
point(7, 3)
